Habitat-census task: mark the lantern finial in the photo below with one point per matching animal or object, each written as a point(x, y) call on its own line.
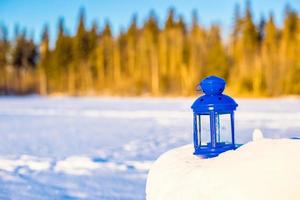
point(212, 85)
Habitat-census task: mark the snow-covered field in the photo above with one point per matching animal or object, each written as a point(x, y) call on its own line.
point(102, 148)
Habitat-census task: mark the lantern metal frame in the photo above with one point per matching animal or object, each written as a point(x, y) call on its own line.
point(213, 103)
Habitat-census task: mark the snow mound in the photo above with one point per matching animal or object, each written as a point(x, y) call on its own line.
point(261, 169)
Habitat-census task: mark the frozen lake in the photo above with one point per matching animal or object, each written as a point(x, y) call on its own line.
point(101, 148)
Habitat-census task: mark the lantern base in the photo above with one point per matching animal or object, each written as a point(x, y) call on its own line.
point(207, 151)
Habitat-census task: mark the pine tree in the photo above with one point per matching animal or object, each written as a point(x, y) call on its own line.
point(289, 52)
point(4, 49)
point(105, 53)
point(81, 50)
point(92, 57)
point(4, 45)
point(62, 77)
point(197, 47)
point(150, 65)
point(133, 70)
point(217, 61)
point(245, 50)
point(237, 23)
point(261, 29)
point(170, 22)
point(24, 57)
point(269, 57)
point(44, 68)
point(173, 44)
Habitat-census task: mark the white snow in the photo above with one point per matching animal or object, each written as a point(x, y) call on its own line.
point(257, 135)
point(73, 165)
point(76, 165)
point(261, 169)
point(102, 148)
point(25, 161)
point(79, 165)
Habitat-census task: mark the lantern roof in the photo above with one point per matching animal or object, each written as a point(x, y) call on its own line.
point(213, 99)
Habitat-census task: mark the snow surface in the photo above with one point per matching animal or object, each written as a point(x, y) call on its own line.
point(262, 169)
point(102, 148)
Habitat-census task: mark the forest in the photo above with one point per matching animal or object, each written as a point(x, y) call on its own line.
point(155, 59)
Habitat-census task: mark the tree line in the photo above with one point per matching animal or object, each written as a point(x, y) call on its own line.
point(259, 59)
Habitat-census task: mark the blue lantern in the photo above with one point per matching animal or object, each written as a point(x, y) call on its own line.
point(213, 105)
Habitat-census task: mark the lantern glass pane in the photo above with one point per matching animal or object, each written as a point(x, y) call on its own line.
point(224, 127)
point(204, 129)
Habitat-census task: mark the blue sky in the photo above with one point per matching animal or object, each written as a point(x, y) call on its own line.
point(34, 14)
